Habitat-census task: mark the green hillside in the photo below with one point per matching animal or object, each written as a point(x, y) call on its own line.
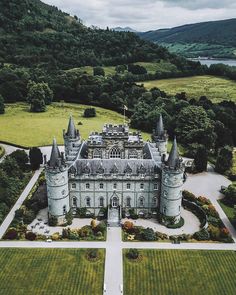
point(214, 39)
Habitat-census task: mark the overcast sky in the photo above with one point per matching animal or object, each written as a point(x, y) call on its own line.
point(146, 15)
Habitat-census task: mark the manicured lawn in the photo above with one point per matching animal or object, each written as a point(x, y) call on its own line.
point(2, 151)
point(229, 211)
point(181, 272)
point(21, 127)
point(216, 89)
point(50, 271)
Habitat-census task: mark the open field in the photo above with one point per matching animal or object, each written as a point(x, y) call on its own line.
point(19, 126)
point(181, 272)
point(216, 89)
point(50, 271)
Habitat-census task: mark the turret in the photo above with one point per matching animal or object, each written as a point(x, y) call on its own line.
point(160, 136)
point(171, 186)
point(72, 141)
point(57, 185)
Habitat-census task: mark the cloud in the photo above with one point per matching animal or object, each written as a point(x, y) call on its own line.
point(146, 14)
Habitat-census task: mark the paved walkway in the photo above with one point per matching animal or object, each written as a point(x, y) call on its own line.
point(7, 221)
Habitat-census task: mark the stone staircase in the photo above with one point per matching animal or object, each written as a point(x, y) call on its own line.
point(113, 217)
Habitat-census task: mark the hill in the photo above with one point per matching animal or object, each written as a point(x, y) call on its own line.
point(214, 39)
point(36, 34)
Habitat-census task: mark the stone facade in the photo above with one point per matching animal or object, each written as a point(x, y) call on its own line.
point(115, 169)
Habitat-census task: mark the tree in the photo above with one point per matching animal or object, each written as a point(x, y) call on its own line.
point(98, 71)
point(2, 106)
point(21, 158)
point(200, 159)
point(133, 253)
point(230, 193)
point(149, 234)
point(39, 94)
point(48, 93)
point(194, 126)
point(90, 112)
point(36, 158)
point(224, 159)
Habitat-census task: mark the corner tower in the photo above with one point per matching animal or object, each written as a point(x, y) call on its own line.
point(57, 185)
point(171, 186)
point(72, 141)
point(160, 136)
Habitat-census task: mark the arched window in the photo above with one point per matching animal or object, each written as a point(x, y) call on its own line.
point(74, 202)
point(88, 202)
point(154, 201)
point(133, 154)
point(101, 202)
point(128, 202)
point(141, 202)
point(115, 153)
point(97, 154)
point(64, 209)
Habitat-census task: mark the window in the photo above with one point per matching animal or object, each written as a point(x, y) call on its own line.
point(133, 154)
point(154, 201)
point(128, 185)
point(73, 185)
point(155, 186)
point(101, 202)
point(63, 192)
point(97, 154)
point(115, 153)
point(87, 185)
point(74, 202)
point(115, 185)
point(101, 185)
point(64, 209)
point(141, 186)
point(128, 202)
point(88, 202)
point(141, 202)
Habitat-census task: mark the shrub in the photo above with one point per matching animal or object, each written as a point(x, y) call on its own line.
point(162, 236)
point(149, 234)
point(214, 232)
point(214, 221)
point(128, 225)
point(189, 196)
point(65, 233)
point(92, 253)
point(224, 232)
point(212, 211)
point(90, 113)
point(29, 216)
point(133, 253)
point(81, 212)
point(56, 237)
point(101, 227)
point(52, 221)
point(204, 200)
point(30, 236)
point(201, 235)
point(93, 223)
point(11, 234)
point(69, 217)
point(177, 225)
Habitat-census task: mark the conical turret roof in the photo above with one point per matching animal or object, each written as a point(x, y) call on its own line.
point(71, 131)
point(55, 154)
point(160, 126)
point(173, 160)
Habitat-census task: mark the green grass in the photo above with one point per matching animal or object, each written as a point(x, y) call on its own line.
point(216, 89)
point(162, 66)
point(233, 169)
point(229, 211)
point(181, 272)
point(2, 151)
point(50, 271)
point(110, 70)
point(19, 126)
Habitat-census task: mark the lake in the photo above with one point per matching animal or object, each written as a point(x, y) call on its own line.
point(208, 62)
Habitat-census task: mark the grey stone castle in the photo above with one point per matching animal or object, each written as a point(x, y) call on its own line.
point(115, 169)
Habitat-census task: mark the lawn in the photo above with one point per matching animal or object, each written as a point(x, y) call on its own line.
point(161, 67)
point(2, 151)
point(181, 272)
point(50, 271)
point(21, 127)
point(229, 211)
point(216, 89)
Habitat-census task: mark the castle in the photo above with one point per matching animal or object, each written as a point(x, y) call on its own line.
point(115, 169)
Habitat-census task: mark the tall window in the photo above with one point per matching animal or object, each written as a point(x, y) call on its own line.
point(155, 186)
point(115, 152)
point(87, 185)
point(74, 202)
point(64, 209)
point(101, 186)
point(141, 186)
point(154, 201)
point(101, 202)
point(128, 202)
point(115, 185)
point(88, 202)
point(73, 185)
point(141, 202)
point(128, 185)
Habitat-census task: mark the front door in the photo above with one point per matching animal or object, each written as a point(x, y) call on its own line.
point(114, 202)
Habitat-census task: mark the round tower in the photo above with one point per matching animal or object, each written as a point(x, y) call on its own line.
point(57, 185)
point(72, 141)
point(171, 187)
point(160, 137)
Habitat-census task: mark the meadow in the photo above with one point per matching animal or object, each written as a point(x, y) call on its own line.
point(50, 271)
point(19, 126)
point(181, 272)
point(216, 89)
